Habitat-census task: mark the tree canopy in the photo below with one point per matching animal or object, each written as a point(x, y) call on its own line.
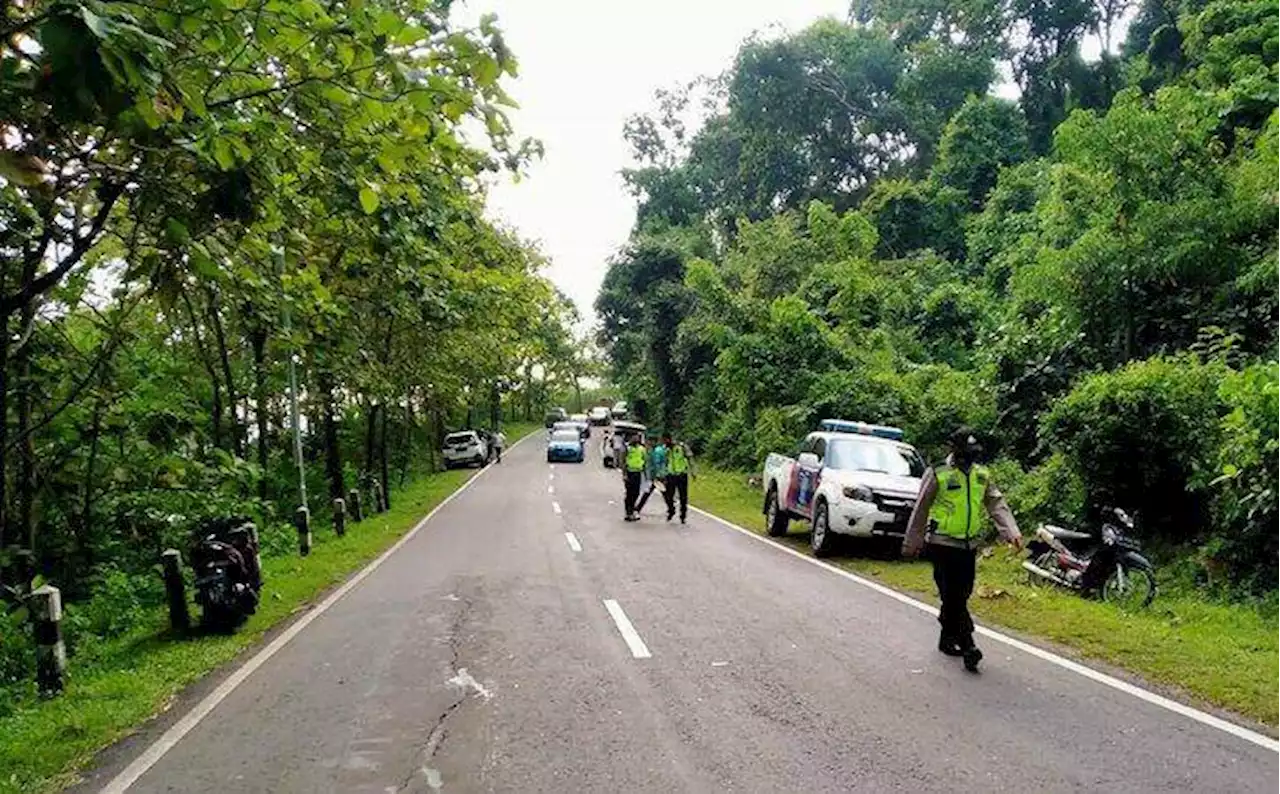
point(195, 193)
point(861, 229)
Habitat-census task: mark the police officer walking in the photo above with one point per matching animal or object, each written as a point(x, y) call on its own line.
point(679, 462)
point(951, 501)
point(633, 467)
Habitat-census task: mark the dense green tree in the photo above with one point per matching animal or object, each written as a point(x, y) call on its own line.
point(1069, 274)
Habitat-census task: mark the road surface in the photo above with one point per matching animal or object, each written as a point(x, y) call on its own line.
point(528, 640)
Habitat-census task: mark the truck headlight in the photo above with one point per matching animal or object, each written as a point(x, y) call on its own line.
point(858, 493)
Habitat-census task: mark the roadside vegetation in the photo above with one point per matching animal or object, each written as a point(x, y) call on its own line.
point(119, 682)
point(1215, 653)
point(1087, 275)
point(201, 205)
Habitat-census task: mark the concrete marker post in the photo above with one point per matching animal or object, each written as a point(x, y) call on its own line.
point(357, 510)
point(379, 498)
point(302, 520)
point(51, 653)
point(175, 590)
point(339, 517)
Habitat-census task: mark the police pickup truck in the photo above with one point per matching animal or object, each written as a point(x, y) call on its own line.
point(848, 478)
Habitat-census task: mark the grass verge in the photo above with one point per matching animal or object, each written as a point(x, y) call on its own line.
point(128, 680)
point(1221, 654)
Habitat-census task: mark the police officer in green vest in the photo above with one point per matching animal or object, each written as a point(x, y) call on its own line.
point(633, 466)
point(950, 506)
point(678, 473)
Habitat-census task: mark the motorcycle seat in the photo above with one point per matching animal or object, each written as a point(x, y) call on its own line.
point(1066, 534)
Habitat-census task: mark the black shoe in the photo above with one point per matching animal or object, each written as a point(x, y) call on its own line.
point(670, 516)
point(683, 520)
point(949, 647)
point(971, 658)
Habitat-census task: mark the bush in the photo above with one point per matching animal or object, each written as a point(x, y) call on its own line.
point(1051, 492)
point(1137, 436)
point(1242, 479)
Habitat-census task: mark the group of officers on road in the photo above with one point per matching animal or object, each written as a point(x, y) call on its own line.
point(667, 463)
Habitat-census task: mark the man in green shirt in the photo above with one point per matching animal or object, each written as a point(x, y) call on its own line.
point(947, 516)
point(634, 462)
point(678, 465)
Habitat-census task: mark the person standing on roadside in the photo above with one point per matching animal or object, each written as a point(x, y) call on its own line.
point(952, 499)
point(633, 466)
point(679, 464)
point(499, 441)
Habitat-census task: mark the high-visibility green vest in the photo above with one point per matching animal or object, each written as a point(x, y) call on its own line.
point(957, 507)
point(635, 458)
point(677, 462)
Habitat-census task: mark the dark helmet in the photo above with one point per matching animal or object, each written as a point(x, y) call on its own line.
point(965, 444)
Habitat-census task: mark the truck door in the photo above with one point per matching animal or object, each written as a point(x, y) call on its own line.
point(805, 478)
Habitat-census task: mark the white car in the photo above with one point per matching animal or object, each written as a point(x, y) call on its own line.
point(466, 448)
point(844, 483)
point(619, 409)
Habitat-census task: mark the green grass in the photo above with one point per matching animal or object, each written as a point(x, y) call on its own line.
point(1221, 654)
point(124, 682)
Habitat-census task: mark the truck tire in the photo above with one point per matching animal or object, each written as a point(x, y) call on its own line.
point(822, 540)
point(776, 520)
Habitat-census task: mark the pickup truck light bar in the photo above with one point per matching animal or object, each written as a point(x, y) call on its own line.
point(861, 428)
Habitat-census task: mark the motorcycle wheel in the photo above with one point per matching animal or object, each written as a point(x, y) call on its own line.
point(1134, 591)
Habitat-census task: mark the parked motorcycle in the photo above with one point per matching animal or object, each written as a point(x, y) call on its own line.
point(1105, 563)
point(228, 579)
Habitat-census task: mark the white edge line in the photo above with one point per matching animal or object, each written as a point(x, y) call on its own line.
point(556, 507)
point(573, 541)
point(629, 634)
point(1040, 653)
point(139, 766)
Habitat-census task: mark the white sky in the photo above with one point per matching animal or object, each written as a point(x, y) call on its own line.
point(584, 68)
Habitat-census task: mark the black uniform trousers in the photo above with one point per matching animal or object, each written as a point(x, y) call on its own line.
point(953, 572)
point(677, 483)
point(631, 483)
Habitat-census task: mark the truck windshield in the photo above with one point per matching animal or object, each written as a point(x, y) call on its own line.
point(859, 455)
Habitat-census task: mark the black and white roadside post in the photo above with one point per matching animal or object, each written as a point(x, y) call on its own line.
point(357, 509)
point(339, 517)
point(175, 590)
point(302, 520)
point(51, 654)
point(379, 498)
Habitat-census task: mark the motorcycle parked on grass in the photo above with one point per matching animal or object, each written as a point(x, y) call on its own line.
point(1105, 563)
point(228, 579)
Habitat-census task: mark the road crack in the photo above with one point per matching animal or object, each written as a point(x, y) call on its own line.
point(459, 678)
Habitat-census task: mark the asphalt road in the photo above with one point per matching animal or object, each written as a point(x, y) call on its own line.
point(482, 656)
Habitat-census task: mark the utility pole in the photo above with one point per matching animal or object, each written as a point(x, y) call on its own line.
point(293, 392)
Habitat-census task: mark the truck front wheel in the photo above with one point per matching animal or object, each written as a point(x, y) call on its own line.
point(775, 518)
point(823, 540)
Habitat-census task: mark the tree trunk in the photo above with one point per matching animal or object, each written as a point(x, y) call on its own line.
point(215, 321)
point(406, 439)
point(84, 549)
point(332, 451)
point(209, 368)
point(259, 341)
point(370, 433)
point(386, 477)
point(5, 540)
point(26, 483)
